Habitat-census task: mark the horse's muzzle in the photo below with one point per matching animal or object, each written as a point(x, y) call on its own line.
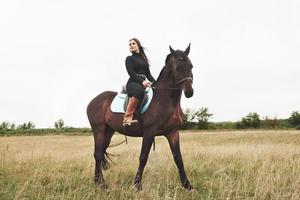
point(189, 93)
point(186, 85)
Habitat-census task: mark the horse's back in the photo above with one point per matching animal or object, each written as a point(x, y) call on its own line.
point(98, 106)
point(102, 97)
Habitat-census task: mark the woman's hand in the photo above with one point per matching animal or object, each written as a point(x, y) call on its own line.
point(146, 84)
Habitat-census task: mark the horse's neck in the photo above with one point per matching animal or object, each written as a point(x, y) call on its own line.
point(167, 85)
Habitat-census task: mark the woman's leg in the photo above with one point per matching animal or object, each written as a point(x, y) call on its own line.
point(136, 90)
point(135, 93)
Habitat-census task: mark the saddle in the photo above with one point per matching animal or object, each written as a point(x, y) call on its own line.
point(120, 102)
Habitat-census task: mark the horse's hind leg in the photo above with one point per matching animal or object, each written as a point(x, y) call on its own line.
point(102, 137)
point(173, 139)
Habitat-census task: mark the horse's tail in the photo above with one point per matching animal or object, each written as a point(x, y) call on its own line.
point(106, 161)
point(96, 110)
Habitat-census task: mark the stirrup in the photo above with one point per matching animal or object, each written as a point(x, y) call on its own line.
point(129, 122)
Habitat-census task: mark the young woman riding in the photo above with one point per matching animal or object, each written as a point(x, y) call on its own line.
point(137, 66)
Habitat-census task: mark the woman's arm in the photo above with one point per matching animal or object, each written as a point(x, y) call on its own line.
point(132, 74)
point(149, 76)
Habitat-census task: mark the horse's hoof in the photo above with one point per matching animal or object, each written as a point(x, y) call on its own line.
point(188, 186)
point(101, 184)
point(138, 186)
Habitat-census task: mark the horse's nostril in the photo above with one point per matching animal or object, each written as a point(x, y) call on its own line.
point(189, 94)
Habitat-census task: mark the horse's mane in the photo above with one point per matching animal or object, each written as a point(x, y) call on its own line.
point(168, 58)
point(163, 69)
point(160, 74)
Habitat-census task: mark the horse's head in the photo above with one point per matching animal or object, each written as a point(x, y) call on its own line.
point(181, 67)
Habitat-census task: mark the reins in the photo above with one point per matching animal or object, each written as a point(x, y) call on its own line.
point(115, 145)
point(158, 88)
point(174, 88)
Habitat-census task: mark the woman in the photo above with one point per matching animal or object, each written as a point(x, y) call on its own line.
point(138, 69)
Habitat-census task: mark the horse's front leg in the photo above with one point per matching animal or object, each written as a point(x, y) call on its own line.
point(146, 146)
point(173, 139)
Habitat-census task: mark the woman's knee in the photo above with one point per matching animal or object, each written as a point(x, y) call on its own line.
point(135, 89)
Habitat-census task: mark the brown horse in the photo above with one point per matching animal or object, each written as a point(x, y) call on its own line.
point(163, 117)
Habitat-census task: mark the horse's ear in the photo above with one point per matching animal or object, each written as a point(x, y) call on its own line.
point(187, 51)
point(172, 50)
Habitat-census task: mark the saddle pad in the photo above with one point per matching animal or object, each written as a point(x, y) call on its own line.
point(117, 105)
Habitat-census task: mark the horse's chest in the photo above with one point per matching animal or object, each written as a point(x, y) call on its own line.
point(176, 120)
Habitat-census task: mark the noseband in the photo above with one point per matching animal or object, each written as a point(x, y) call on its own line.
point(185, 79)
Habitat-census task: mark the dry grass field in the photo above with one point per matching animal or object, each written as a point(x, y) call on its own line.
point(220, 165)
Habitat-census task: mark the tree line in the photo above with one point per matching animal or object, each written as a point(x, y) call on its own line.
point(59, 124)
point(199, 119)
point(29, 128)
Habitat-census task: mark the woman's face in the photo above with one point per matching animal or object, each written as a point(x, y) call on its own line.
point(133, 47)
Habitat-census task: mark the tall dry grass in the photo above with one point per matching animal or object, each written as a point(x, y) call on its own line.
point(220, 165)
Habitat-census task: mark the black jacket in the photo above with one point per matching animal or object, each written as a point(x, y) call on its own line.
point(136, 65)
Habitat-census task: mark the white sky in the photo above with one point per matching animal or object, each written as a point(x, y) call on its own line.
point(56, 55)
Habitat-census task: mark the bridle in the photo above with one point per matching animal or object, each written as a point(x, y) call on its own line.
point(189, 78)
point(181, 81)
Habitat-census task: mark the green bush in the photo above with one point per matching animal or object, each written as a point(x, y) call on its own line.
point(4, 126)
point(59, 124)
point(270, 123)
point(187, 124)
point(294, 119)
point(28, 125)
point(221, 125)
point(201, 117)
point(195, 119)
point(252, 120)
point(284, 123)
